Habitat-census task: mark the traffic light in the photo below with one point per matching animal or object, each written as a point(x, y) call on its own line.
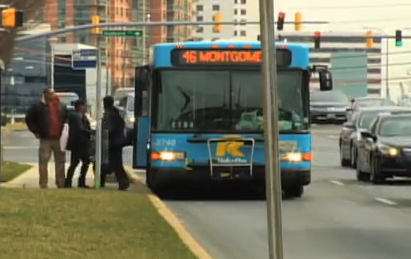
point(218, 18)
point(370, 39)
point(398, 38)
point(95, 19)
point(11, 18)
point(317, 39)
point(280, 21)
point(298, 21)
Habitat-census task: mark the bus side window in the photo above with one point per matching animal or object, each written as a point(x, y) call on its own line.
point(142, 87)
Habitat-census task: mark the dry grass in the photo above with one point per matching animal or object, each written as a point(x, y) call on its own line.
point(11, 170)
point(50, 224)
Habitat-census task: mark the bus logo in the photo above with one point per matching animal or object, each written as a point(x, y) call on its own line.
point(229, 152)
point(230, 148)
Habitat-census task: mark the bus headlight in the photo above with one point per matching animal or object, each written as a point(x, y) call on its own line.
point(294, 157)
point(168, 156)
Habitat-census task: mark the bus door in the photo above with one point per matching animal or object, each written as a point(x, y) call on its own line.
point(142, 116)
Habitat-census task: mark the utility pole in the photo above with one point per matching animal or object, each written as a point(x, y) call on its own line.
point(271, 130)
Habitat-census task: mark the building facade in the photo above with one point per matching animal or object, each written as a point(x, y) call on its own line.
point(27, 74)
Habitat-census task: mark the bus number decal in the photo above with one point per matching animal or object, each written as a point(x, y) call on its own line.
point(166, 142)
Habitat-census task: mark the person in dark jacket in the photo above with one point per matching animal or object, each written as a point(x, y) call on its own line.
point(114, 124)
point(79, 144)
point(45, 120)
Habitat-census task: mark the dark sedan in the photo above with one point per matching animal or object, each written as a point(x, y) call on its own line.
point(328, 106)
point(385, 150)
point(360, 121)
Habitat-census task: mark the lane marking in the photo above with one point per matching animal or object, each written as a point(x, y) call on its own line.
point(385, 201)
point(337, 182)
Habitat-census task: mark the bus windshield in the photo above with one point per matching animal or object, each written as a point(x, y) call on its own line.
point(226, 101)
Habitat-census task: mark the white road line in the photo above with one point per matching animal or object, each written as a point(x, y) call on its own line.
point(337, 182)
point(385, 201)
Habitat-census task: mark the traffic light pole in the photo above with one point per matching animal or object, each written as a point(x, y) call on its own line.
point(271, 131)
point(143, 24)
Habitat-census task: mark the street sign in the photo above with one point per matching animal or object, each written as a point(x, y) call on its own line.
point(84, 58)
point(122, 33)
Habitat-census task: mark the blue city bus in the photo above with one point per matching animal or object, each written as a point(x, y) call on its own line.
point(198, 112)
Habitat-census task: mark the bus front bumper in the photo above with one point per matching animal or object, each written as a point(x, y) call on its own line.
point(239, 174)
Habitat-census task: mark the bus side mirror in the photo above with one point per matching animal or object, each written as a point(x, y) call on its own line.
point(326, 80)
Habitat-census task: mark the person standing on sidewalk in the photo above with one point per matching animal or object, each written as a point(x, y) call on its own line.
point(45, 120)
point(115, 125)
point(79, 144)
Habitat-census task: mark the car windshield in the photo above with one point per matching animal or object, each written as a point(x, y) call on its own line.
point(391, 127)
point(332, 96)
point(226, 101)
point(367, 118)
point(130, 104)
point(120, 93)
point(68, 99)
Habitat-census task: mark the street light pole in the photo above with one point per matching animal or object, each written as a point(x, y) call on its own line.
point(271, 130)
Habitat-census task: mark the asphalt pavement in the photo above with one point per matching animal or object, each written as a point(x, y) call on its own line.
point(337, 218)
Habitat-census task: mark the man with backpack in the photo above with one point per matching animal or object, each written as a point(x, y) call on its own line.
point(114, 124)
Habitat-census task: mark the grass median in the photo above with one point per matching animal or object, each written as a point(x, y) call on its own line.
point(11, 170)
point(88, 224)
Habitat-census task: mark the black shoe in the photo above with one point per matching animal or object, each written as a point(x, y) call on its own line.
point(84, 186)
point(124, 187)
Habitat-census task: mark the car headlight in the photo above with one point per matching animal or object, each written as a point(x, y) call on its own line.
point(387, 150)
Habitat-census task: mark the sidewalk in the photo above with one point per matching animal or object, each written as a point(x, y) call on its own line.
point(30, 179)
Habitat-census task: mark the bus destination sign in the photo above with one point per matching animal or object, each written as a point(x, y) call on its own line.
point(224, 57)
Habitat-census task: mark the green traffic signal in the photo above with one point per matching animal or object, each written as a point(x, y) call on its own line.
point(398, 38)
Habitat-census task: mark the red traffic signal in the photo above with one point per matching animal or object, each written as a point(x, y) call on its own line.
point(317, 39)
point(280, 21)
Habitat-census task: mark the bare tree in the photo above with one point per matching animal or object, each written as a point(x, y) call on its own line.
point(30, 8)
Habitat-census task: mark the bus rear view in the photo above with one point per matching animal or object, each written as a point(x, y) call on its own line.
point(199, 115)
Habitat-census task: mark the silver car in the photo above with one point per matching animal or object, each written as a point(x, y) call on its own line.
point(126, 107)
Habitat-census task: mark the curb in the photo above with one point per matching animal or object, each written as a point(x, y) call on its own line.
point(19, 126)
point(172, 219)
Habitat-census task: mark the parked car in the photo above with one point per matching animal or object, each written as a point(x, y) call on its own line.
point(120, 93)
point(384, 150)
point(126, 107)
point(330, 106)
point(360, 121)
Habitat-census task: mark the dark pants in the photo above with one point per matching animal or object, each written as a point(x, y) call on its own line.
point(115, 155)
point(76, 157)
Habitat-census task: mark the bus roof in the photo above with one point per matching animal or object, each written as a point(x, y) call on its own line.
point(226, 43)
point(162, 57)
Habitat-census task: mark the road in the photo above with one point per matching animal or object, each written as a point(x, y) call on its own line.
point(336, 218)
